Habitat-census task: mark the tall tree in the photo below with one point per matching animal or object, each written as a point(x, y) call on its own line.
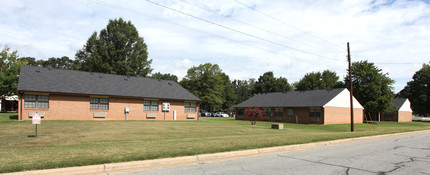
point(230, 97)
point(311, 81)
point(418, 91)
point(372, 88)
point(269, 83)
point(60, 63)
point(243, 89)
point(317, 80)
point(117, 49)
point(31, 61)
point(206, 82)
point(9, 71)
point(167, 76)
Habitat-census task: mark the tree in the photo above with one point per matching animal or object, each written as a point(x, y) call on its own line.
point(418, 91)
point(311, 81)
point(268, 83)
point(118, 49)
point(167, 76)
point(317, 80)
point(60, 63)
point(205, 82)
point(372, 88)
point(230, 97)
point(330, 80)
point(243, 89)
point(9, 71)
point(31, 61)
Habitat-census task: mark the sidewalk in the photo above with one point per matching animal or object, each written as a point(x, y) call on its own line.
point(135, 166)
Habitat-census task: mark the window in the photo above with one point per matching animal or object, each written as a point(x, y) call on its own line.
point(30, 101)
point(290, 112)
point(268, 113)
point(279, 112)
point(150, 105)
point(240, 112)
point(190, 107)
point(315, 112)
point(99, 103)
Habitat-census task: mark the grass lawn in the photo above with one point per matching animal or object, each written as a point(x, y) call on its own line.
point(75, 143)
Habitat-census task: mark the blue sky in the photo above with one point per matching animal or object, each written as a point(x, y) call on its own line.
point(298, 37)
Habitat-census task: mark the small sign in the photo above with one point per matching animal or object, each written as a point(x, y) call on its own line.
point(166, 106)
point(36, 119)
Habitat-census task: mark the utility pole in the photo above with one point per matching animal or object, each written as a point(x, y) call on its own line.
point(350, 88)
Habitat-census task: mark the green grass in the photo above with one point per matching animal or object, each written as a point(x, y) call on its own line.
point(76, 143)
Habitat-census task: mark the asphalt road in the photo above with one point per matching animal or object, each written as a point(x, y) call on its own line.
point(408, 155)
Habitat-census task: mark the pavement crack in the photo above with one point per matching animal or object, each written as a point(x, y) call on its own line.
point(328, 164)
point(397, 147)
point(347, 171)
point(397, 166)
point(104, 169)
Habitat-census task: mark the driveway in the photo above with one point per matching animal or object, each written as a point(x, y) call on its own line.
point(408, 154)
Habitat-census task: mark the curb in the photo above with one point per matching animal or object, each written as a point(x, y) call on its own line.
point(144, 165)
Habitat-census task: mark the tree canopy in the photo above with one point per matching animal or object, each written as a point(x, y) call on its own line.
point(206, 82)
point(317, 80)
point(269, 83)
point(418, 91)
point(167, 76)
point(117, 49)
point(9, 71)
point(372, 88)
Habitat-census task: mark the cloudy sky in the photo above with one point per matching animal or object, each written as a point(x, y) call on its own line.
point(244, 37)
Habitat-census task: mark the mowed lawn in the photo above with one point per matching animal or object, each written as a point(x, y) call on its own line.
point(76, 143)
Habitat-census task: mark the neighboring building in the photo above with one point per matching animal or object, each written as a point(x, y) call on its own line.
point(9, 103)
point(308, 107)
point(75, 95)
point(403, 111)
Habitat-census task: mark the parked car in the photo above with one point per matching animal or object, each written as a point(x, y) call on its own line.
point(221, 114)
point(203, 113)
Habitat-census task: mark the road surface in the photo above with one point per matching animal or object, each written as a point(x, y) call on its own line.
point(408, 155)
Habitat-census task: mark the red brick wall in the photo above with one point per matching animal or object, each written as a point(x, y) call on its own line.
point(71, 107)
point(404, 116)
point(337, 115)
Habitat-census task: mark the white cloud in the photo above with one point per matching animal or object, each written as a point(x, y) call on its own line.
point(380, 31)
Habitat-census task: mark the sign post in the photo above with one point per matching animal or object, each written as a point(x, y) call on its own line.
point(36, 121)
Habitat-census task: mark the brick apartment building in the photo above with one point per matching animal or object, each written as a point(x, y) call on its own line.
point(307, 107)
point(76, 95)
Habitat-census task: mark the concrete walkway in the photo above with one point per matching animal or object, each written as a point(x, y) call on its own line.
point(144, 165)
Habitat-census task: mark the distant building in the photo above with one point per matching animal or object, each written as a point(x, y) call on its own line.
point(9, 103)
point(308, 107)
point(76, 95)
point(403, 111)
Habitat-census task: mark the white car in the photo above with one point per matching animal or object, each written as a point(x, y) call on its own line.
point(221, 114)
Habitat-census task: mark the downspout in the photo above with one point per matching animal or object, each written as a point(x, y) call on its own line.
point(20, 106)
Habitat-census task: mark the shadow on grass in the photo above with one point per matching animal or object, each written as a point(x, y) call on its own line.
point(13, 117)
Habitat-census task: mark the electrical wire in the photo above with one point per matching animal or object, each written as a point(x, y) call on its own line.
point(253, 26)
point(289, 25)
point(243, 33)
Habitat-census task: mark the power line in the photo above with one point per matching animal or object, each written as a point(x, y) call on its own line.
point(243, 33)
point(173, 23)
point(289, 25)
point(256, 27)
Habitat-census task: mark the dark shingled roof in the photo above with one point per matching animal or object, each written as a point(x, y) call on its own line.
point(398, 102)
point(37, 79)
point(313, 98)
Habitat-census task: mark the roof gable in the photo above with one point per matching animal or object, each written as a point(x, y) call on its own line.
point(402, 104)
point(313, 98)
point(39, 79)
point(342, 100)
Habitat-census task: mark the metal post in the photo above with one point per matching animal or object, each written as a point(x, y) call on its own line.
point(350, 88)
point(35, 132)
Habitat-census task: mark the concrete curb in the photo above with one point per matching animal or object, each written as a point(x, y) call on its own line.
point(143, 165)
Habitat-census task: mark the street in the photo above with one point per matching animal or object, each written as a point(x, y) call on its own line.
point(408, 154)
